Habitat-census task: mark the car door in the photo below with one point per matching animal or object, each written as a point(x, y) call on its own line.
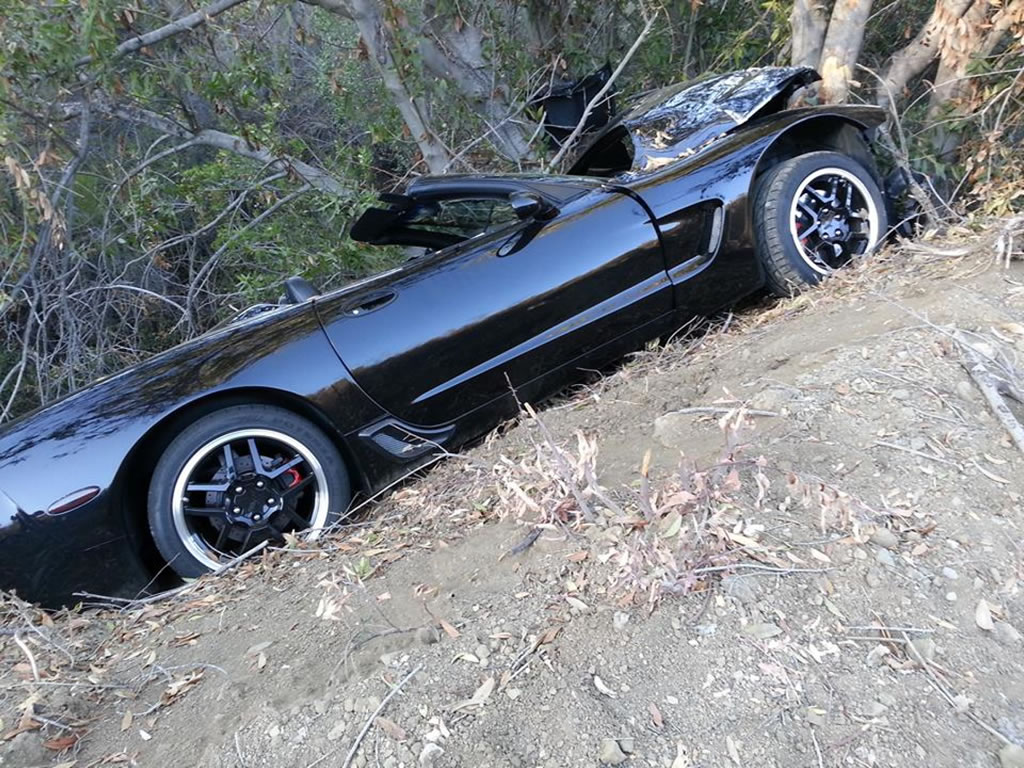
point(457, 328)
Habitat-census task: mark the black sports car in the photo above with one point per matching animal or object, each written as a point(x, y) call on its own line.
point(699, 194)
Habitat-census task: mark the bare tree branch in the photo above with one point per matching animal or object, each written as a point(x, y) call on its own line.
point(183, 24)
point(315, 177)
point(569, 142)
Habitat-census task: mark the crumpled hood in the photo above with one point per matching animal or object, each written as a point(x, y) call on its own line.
point(676, 121)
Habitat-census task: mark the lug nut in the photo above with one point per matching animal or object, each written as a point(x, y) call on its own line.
point(259, 483)
point(238, 489)
point(237, 510)
point(257, 517)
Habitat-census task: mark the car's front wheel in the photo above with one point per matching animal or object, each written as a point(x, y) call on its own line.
point(812, 215)
point(240, 476)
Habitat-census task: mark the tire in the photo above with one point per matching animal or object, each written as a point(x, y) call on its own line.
point(204, 511)
point(818, 187)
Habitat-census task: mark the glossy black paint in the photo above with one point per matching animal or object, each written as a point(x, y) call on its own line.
point(423, 356)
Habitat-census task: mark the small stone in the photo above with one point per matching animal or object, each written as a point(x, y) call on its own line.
point(951, 597)
point(611, 753)
point(965, 390)
point(918, 443)
point(620, 619)
point(875, 709)
point(336, 732)
point(887, 699)
point(349, 705)
point(1006, 634)
point(741, 588)
point(429, 754)
point(873, 578)
point(883, 537)
point(899, 394)
point(925, 648)
point(427, 635)
point(884, 556)
point(627, 745)
point(482, 652)
point(1011, 756)
point(950, 573)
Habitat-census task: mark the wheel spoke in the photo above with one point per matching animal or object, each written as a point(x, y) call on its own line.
point(278, 471)
point(204, 512)
point(811, 230)
point(296, 518)
point(254, 453)
point(816, 194)
point(207, 487)
point(222, 537)
point(229, 461)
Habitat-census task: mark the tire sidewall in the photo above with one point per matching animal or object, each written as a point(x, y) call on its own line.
point(217, 424)
point(790, 176)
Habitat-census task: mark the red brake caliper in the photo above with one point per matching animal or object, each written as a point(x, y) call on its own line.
point(295, 477)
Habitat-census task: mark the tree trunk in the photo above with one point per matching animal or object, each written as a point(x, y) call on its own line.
point(841, 48)
point(910, 61)
point(807, 26)
point(380, 47)
point(454, 51)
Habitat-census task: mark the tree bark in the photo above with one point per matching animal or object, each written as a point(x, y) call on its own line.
point(841, 48)
point(807, 26)
point(454, 51)
point(911, 60)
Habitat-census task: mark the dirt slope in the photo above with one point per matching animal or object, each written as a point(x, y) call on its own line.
point(716, 608)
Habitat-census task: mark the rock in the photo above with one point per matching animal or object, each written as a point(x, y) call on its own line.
point(875, 709)
point(427, 635)
point(620, 619)
point(1011, 756)
point(925, 648)
point(337, 731)
point(884, 557)
point(611, 753)
point(918, 443)
point(24, 749)
point(887, 699)
point(899, 394)
point(873, 578)
point(322, 705)
point(429, 754)
point(883, 537)
point(482, 652)
point(742, 589)
point(965, 390)
point(1006, 634)
point(627, 745)
point(951, 597)
point(950, 573)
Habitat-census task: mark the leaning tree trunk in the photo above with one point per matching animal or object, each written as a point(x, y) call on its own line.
point(841, 48)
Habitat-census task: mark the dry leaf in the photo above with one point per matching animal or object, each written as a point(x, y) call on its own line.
point(479, 696)
point(145, 735)
point(577, 557)
point(656, 717)
point(449, 630)
point(549, 635)
point(126, 721)
point(61, 743)
point(575, 602)
point(391, 728)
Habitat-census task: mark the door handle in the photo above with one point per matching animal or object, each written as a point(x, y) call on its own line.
point(370, 302)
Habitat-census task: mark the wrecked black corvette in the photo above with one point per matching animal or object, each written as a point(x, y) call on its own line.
point(692, 198)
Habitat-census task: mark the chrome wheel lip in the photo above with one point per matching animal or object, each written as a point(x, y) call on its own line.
point(869, 201)
point(194, 544)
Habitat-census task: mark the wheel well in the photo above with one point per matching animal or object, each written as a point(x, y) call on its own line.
point(828, 133)
point(131, 485)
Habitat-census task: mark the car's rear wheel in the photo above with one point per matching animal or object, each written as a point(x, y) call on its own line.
point(240, 476)
point(813, 214)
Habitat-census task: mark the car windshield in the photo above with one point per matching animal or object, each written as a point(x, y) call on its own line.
point(464, 218)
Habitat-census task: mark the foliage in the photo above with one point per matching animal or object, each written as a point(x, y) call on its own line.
point(151, 190)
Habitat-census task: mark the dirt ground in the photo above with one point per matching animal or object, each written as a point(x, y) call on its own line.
point(639, 575)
